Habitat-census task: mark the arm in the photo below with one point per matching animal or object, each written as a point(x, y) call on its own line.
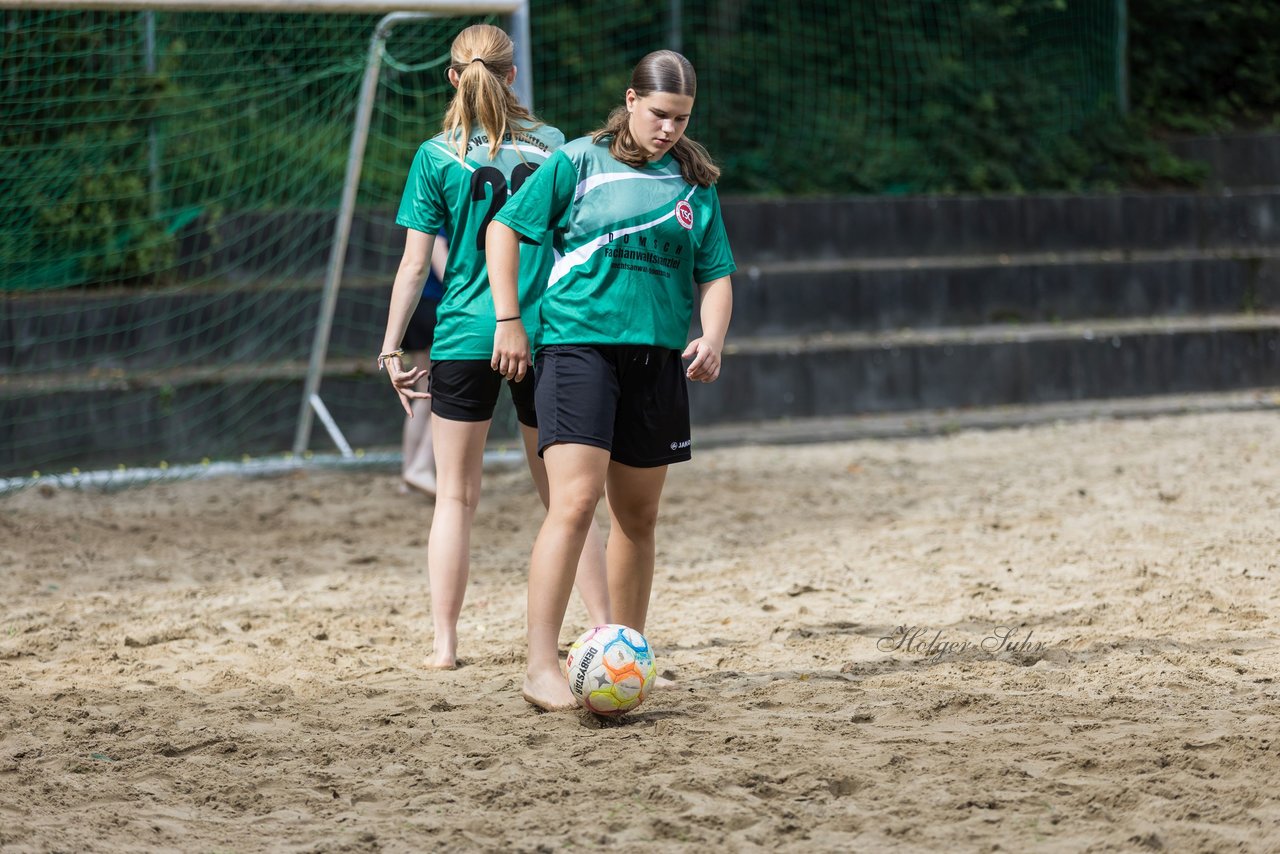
point(510, 341)
point(716, 301)
point(439, 256)
point(404, 299)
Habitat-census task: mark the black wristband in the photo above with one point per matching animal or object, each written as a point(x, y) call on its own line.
point(505, 319)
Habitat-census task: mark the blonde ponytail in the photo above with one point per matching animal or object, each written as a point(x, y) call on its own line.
point(483, 57)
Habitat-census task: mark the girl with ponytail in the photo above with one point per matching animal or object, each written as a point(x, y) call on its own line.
point(489, 146)
point(634, 215)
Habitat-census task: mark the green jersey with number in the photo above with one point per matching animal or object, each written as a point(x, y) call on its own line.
point(632, 245)
point(461, 195)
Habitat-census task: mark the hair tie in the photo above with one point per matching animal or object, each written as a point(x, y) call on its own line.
point(481, 61)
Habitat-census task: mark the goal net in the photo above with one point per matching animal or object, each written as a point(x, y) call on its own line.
point(169, 180)
point(170, 184)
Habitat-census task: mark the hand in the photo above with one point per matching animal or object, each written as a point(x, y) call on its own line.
point(510, 350)
point(705, 367)
point(403, 381)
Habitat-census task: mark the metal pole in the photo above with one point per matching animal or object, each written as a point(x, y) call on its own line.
point(675, 18)
point(153, 139)
point(524, 54)
point(342, 227)
point(367, 7)
point(1122, 56)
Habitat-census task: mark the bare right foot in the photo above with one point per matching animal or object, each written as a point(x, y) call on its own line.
point(549, 692)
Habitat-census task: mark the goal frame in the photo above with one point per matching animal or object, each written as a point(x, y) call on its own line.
point(394, 13)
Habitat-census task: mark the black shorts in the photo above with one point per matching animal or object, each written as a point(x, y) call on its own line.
point(633, 401)
point(467, 390)
point(421, 332)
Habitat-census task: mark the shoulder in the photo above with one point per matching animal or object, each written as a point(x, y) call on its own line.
point(539, 140)
point(436, 150)
point(709, 193)
point(551, 135)
point(585, 152)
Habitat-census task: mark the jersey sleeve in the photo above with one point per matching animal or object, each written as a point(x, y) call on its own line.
point(714, 259)
point(421, 206)
point(542, 203)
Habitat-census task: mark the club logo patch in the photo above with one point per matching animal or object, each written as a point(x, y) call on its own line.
point(684, 214)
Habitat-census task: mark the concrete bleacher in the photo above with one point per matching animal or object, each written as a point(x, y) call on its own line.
point(858, 306)
point(843, 307)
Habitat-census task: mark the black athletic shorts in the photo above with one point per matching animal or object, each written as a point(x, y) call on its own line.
point(467, 390)
point(421, 333)
point(633, 401)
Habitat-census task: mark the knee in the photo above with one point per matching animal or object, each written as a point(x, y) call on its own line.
point(463, 492)
point(574, 507)
point(636, 518)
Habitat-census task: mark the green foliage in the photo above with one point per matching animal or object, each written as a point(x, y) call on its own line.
point(1205, 67)
point(105, 167)
point(983, 96)
point(86, 142)
point(874, 97)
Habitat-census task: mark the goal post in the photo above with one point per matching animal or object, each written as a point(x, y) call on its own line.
point(351, 183)
point(176, 174)
point(182, 176)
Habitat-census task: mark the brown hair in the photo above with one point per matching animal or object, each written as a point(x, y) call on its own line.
point(660, 71)
point(483, 57)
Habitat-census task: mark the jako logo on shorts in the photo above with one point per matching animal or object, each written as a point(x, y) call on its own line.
point(675, 446)
point(684, 214)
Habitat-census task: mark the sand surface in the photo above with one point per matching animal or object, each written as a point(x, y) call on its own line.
point(236, 665)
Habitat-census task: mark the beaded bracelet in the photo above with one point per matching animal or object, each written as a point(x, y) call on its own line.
point(382, 357)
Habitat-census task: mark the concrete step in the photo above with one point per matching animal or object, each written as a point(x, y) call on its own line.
point(1245, 160)
point(296, 242)
point(884, 294)
point(210, 325)
point(183, 414)
point(145, 420)
point(849, 373)
point(766, 230)
point(936, 422)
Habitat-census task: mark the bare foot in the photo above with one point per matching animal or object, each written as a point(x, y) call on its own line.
point(423, 483)
point(661, 683)
point(549, 692)
point(442, 661)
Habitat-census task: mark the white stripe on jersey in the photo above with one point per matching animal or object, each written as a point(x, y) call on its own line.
point(565, 263)
point(591, 182)
point(527, 149)
point(449, 151)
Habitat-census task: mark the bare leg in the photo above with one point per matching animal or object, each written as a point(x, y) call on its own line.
point(634, 494)
point(459, 460)
point(419, 466)
point(591, 580)
point(576, 475)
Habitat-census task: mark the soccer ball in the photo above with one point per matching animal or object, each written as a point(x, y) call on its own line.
point(611, 669)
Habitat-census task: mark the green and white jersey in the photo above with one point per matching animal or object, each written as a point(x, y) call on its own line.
point(462, 195)
point(631, 246)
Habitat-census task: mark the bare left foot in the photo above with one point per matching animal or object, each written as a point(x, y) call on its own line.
point(442, 660)
point(423, 483)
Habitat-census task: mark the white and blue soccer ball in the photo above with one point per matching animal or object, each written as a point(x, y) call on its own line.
point(611, 669)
